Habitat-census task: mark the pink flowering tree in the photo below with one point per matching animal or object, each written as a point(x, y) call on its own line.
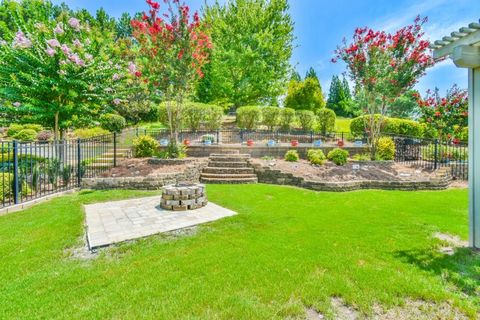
point(173, 47)
point(448, 115)
point(383, 66)
point(60, 73)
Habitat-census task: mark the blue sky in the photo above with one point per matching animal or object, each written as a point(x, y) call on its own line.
point(320, 25)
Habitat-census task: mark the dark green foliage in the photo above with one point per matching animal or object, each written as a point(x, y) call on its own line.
point(394, 126)
point(405, 106)
point(287, 118)
point(326, 120)
point(112, 122)
point(312, 74)
point(338, 156)
point(306, 118)
point(292, 156)
point(340, 98)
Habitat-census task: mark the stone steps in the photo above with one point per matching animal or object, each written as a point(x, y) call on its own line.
point(229, 169)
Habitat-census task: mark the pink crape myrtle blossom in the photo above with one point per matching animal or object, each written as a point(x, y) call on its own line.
point(54, 43)
point(17, 104)
point(50, 51)
point(66, 50)
point(132, 68)
point(116, 101)
point(74, 23)
point(58, 29)
point(116, 77)
point(88, 56)
point(21, 41)
point(77, 43)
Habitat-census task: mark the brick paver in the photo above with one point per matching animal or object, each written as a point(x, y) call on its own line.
point(118, 221)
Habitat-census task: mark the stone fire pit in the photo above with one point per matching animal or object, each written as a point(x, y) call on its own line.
point(183, 197)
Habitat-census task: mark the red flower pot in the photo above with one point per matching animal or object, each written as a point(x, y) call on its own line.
point(249, 142)
point(186, 142)
point(456, 141)
point(340, 143)
point(294, 143)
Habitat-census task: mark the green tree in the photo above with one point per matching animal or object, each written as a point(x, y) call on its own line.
point(252, 45)
point(339, 98)
point(296, 76)
point(311, 73)
point(305, 95)
point(405, 106)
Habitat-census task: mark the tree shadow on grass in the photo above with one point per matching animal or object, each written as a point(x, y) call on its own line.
point(462, 269)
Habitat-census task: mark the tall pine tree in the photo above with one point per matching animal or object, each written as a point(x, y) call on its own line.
point(340, 97)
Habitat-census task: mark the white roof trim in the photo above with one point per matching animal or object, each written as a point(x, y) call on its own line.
point(469, 36)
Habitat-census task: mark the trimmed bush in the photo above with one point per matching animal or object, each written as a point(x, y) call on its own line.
point(248, 117)
point(6, 185)
point(214, 117)
point(271, 117)
point(292, 156)
point(338, 156)
point(306, 118)
point(13, 129)
point(33, 126)
point(145, 146)
point(112, 122)
point(173, 151)
point(287, 118)
point(26, 135)
point(316, 156)
point(326, 120)
point(385, 148)
point(362, 157)
point(90, 132)
point(393, 126)
point(194, 115)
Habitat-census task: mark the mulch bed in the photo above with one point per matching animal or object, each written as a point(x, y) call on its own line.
point(352, 171)
point(141, 168)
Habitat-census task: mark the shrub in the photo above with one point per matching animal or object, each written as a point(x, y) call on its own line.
point(145, 146)
point(362, 157)
point(292, 156)
point(429, 132)
point(33, 126)
point(393, 126)
point(248, 117)
point(326, 120)
point(26, 135)
point(173, 151)
point(44, 136)
point(90, 132)
point(194, 114)
point(385, 148)
point(306, 119)
point(163, 114)
point(287, 118)
point(271, 117)
point(316, 156)
point(214, 118)
point(6, 185)
point(463, 134)
point(13, 129)
point(112, 122)
point(338, 156)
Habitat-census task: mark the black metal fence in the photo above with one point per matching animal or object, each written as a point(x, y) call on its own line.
point(31, 170)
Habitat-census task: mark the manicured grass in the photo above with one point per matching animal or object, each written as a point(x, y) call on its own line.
point(342, 124)
point(288, 249)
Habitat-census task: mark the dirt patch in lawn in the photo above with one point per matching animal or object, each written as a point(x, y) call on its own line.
point(352, 171)
point(141, 167)
point(450, 243)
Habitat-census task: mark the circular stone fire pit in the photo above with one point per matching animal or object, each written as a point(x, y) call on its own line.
point(183, 197)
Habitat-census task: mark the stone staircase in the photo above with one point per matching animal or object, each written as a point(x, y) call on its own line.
point(232, 168)
point(105, 160)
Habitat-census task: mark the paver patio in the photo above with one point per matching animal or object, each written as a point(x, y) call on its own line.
point(113, 222)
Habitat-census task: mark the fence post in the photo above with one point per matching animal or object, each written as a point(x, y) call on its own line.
point(114, 149)
point(342, 136)
point(218, 136)
point(241, 135)
point(311, 136)
point(15, 173)
point(79, 162)
point(136, 132)
point(435, 165)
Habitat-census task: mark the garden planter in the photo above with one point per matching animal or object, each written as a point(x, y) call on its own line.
point(271, 143)
point(207, 142)
point(294, 143)
point(249, 142)
point(340, 143)
point(186, 142)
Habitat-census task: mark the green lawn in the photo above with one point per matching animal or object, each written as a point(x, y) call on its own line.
point(288, 249)
point(342, 124)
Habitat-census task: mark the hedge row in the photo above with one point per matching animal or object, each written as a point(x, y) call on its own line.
point(251, 117)
point(396, 126)
point(195, 116)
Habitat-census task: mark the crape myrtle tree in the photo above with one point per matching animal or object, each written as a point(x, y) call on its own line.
point(59, 72)
point(447, 115)
point(252, 46)
point(383, 66)
point(173, 48)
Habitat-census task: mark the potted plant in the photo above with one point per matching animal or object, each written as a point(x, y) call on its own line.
point(249, 142)
point(294, 143)
point(186, 142)
point(271, 143)
point(340, 143)
point(208, 139)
